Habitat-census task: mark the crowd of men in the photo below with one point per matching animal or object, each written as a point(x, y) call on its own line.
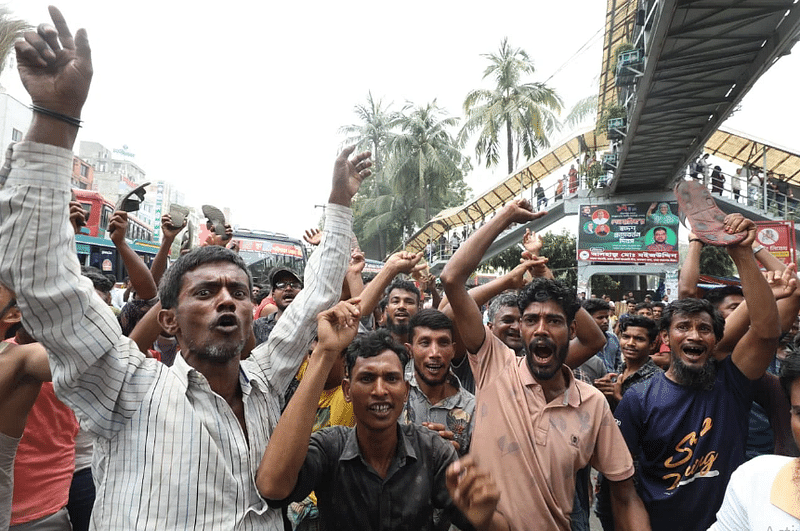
point(322, 402)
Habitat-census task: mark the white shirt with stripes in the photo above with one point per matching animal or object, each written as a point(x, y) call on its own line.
point(169, 452)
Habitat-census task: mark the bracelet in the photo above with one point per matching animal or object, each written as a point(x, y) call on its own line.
point(57, 115)
point(697, 240)
point(756, 249)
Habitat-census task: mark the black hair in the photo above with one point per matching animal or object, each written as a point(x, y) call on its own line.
point(173, 278)
point(790, 370)
point(692, 307)
point(263, 294)
point(642, 306)
point(639, 321)
point(372, 344)
point(545, 289)
point(402, 284)
point(660, 304)
point(429, 318)
point(659, 228)
point(99, 280)
point(716, 295)
point(507, 299)
point(595, 305)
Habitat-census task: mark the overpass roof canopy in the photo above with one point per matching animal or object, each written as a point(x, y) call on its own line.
point(513, 186)
point(743, 149)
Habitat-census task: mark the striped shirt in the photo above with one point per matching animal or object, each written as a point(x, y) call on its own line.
point(169, 452)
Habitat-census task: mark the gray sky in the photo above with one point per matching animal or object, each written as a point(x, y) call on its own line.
point(239, 104)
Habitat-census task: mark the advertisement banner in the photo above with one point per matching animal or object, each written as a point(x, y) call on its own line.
point(636, 233)
point(778, 238)
point(270, 247)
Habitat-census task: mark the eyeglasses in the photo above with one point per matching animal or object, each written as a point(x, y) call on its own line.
point(284, 285)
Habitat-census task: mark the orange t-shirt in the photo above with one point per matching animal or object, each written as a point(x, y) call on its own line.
point(257, 310)
point(45, 459)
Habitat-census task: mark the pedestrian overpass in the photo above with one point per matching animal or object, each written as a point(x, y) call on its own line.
point(688, 64)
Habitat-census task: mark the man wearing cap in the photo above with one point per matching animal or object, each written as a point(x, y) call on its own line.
point(285, 287)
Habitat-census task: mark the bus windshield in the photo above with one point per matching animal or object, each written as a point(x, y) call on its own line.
point(263, 251)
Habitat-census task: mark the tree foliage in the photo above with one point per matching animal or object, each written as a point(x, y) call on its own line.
point(603, 283)
point(11, 30)
point(716, 261)
point(371, 132)
point(421, 172)
point(522, 112)
point(561, 254)
point(559, 250)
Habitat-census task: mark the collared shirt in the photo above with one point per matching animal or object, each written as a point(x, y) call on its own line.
point(455, 412)
point(611, 353)
point(263, 326)
point(169, 452)
point(533, 447)
point(645, 372)
point(351, 494)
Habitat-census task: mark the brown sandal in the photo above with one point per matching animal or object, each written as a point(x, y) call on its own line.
point(706, 219)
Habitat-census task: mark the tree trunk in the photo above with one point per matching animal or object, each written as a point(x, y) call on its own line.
point(510, 147)
point(376, 185)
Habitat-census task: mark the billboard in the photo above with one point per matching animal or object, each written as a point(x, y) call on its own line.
point(778, 238)
point(637, 233)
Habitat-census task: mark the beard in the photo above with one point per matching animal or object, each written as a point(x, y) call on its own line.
point(431, 381)
point(398, 329)
point(559, 354)
point(219, 354)
point(702, 378)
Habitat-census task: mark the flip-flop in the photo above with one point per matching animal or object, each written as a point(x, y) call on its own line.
point(706, 219)
point(178, 214)
point(216, 218)
point(130, 201)
point(188, 236)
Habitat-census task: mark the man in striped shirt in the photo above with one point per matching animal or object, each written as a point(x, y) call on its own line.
point(175, 447)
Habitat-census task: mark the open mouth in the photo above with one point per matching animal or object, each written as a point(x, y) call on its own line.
point(434, 368)
point(401, 316)
point(693, 352)
point(227, 323)
point(542, 351)
point(287, 298)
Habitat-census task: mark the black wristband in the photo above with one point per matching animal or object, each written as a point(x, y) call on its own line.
point(57, 115)
point(697, 240)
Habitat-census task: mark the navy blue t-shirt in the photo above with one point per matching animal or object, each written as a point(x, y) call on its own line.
point(687, 443)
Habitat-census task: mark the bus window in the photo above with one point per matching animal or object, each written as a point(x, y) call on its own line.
point(88, 208)
point(105, 216)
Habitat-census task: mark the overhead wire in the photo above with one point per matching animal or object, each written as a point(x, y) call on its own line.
point(580, 50)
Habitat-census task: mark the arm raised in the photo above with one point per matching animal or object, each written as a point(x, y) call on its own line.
point(754, 351)
point(141, 279)
point(288, 445)
point(466, 314)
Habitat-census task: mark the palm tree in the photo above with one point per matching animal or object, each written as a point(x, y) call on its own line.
point(426, 160)
point(370, 133)
point(374, 123)
point(424, 173)
point(525, 111)
point(10, 30)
